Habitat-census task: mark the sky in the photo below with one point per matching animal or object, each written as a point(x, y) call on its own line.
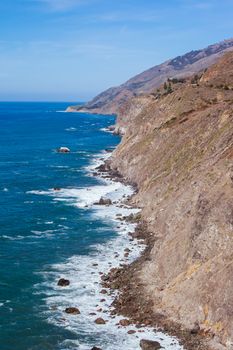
point(71, 50)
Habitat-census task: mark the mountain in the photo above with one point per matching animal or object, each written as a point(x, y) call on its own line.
point(178, 149)
point(111, 100)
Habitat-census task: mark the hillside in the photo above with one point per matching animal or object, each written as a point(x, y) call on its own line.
point(111, 100)
point(178, 149)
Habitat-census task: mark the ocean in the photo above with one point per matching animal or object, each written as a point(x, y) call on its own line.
point(51, 228)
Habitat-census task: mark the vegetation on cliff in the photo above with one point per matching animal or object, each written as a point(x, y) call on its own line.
point(111, 100)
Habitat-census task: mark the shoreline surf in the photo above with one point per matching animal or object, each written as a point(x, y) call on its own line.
point(85, 291)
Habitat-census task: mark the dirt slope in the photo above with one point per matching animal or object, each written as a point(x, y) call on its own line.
point(178, 148)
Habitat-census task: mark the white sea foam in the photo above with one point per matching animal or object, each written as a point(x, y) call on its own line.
point(84, 293)
point(71, 129)
point(107, 130)
point(12, 238)
point(83, 272)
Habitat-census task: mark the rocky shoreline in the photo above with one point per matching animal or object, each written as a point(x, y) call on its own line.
point(131, 301)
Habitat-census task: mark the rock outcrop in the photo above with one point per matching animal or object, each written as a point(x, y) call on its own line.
point(63, 282)
point(178, 149)
point(111, 100)
point(149, 345)
point(100, 321)
point(72, 310)
point(63, 150)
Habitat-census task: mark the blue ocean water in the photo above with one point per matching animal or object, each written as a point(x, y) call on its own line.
point(36, 231)
point(47, 234)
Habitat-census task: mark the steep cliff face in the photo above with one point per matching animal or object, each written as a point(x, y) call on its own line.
point(111, 100)
point(178, 148)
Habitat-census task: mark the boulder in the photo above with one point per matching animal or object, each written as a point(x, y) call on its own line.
point(111, 127)
point(100, 321)
point(149, 345)
point(72, 310)
point(63, 282)
point(103, 291)
point(95, 348)
point(104, 201)
point(63, 150)
point(124, 322)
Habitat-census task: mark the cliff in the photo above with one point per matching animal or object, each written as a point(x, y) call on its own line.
point(178, 149)
point(111, 100)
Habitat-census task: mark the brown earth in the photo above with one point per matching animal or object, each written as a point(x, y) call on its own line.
point(178, 149)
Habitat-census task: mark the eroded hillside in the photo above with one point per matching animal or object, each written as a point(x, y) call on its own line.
point(178, 148)
point(111, 100)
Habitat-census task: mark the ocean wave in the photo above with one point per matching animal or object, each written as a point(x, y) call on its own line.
point(83, 272)
point(84, 293)
point(71, 129)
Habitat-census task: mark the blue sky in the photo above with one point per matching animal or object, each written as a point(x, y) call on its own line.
point(70, 50)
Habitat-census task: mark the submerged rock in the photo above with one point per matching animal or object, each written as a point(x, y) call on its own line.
point(63, 282)
point(149, 345)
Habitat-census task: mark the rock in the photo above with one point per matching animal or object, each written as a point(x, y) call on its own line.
point(104, 201)
point(127, 250)
point(63, 150)
point(131, 331)
point(72, 310)
point(105, 278)
point(57, 189)
point(103, 291)
point(124, 322)
point(111, 127)
point(100, 321)
point(149, 345)
point(95, 348)
point(63, 282)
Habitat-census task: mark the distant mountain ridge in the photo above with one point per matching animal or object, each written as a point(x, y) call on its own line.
point(111, 100)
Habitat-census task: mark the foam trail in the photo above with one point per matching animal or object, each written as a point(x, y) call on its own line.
point(83, 272)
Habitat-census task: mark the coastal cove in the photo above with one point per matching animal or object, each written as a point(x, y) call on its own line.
point(54, 227)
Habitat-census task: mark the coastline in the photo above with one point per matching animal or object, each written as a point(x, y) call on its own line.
point(130, 301)
point(98, 324)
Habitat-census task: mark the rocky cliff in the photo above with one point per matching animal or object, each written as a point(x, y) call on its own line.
point(110, 101)
point(178, 149)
